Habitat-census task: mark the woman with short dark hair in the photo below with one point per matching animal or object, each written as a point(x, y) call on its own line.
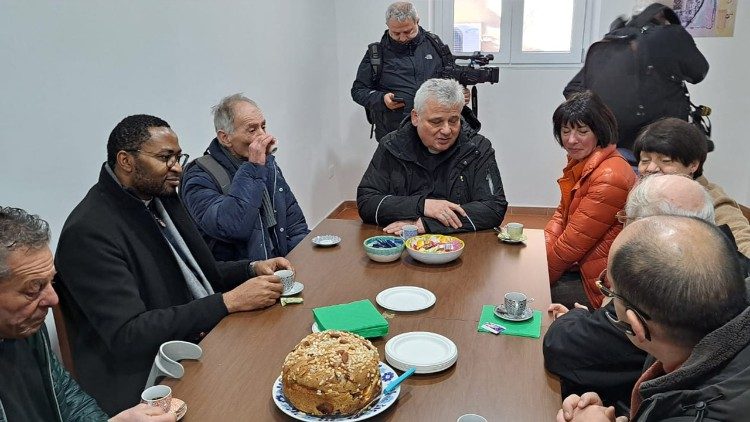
point(594, 187)
point(674, 146)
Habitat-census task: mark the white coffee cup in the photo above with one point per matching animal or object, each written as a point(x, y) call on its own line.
point(471, 417)
point(514, 231)
point(287, 279)
point(158, 396)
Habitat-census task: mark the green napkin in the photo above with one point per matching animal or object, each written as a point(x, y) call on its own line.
point(358, 317)
point(529, 328)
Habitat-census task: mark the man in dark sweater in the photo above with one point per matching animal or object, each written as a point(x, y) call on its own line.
point(33, 384)
point(134, 271)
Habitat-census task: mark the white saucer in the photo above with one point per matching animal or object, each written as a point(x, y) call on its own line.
point(326, 240)
point(504, 237)
point(500, 313)
point(405, 299)
point(315, 328)
point(296, 288)
point(425, 351)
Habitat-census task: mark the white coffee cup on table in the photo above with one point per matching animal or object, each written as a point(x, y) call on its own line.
point(287, 279)
point(514, 231)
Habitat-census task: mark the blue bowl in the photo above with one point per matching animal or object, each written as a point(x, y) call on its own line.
point(384, 248)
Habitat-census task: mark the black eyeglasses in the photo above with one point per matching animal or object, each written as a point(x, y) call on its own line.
point(169, 159)
point(622, 325)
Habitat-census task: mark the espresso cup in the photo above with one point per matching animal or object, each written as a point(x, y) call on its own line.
point(515, 303)
point(287, 279)
point(158, 396)
point(408, 231)
point(514, 230)
point(471, 417)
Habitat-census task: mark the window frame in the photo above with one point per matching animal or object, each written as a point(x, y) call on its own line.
point(511, 33)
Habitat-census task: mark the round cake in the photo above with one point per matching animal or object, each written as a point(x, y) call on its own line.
point(331, 373)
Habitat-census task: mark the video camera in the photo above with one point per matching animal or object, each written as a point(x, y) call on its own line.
point(474, 73)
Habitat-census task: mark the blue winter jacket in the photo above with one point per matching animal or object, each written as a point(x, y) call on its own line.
point(233, 224)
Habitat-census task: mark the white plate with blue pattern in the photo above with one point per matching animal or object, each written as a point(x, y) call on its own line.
point(387, 374)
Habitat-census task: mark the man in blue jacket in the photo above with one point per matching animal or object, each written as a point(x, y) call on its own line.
point(236, 192)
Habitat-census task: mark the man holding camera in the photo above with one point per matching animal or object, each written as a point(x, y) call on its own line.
point(236, 192)
point(392, 70)
point(436, 171)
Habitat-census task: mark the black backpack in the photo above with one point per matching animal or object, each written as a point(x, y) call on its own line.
point(375, 53)
point(644, 92)
point(218, 174)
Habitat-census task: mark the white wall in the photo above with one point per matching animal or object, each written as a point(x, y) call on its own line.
point(72, 70)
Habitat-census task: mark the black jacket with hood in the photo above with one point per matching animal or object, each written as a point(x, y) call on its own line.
point(395, 185)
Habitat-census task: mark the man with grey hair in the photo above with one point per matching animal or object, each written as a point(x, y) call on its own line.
point(582, 347)
point(35, 386)
point(433, 172)
point(393, 69)
point(236, 192)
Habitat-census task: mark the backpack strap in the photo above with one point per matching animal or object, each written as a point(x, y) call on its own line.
point(443, 50)
point(375, 52)
point(218, 173)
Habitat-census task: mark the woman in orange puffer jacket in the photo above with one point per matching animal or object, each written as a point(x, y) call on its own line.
point(594, 187)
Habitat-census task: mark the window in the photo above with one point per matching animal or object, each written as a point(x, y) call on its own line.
point(515, 31)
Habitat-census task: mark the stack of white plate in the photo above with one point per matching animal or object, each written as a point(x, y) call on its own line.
point(425, 351)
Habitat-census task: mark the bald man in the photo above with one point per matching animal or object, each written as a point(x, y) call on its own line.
point(679, 295)
point(582, 347)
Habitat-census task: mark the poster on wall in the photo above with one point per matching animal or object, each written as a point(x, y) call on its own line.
point(703, 18)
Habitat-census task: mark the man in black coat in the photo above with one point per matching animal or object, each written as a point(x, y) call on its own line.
point(134, 272)
point(639, 70)
point(436, 172)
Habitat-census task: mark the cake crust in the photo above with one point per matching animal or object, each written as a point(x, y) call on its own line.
point(331, 373)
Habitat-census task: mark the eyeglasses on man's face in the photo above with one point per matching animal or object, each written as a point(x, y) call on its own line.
point(169, 159)
point(622, 325)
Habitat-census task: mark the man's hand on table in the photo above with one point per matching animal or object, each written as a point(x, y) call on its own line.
point(256, 293)
point(556, 310)
point(269, 266)
point(143, 413)
point(445, 212)
point(398, 226)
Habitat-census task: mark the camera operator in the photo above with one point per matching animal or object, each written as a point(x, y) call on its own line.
point(639, 70)
point(393, 69)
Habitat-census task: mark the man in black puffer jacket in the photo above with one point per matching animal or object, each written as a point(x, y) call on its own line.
point(436, 171)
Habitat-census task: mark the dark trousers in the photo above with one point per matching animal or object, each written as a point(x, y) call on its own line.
point(568, 290)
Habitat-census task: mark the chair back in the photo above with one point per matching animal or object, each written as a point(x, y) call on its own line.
point(63, 340)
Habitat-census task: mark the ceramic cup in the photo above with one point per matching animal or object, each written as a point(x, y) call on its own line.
point(515, 303)
point(287, 279)
point(471, 417)
point(514, 230)
point(408, 231)
point(158, 396)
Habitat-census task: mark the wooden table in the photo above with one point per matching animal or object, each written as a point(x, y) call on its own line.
point(499, 377)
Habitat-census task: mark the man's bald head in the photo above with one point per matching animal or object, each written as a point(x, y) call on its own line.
point(681, 271)
point(669, 194)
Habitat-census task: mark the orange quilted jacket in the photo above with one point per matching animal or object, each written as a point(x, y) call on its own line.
point(581, 232)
